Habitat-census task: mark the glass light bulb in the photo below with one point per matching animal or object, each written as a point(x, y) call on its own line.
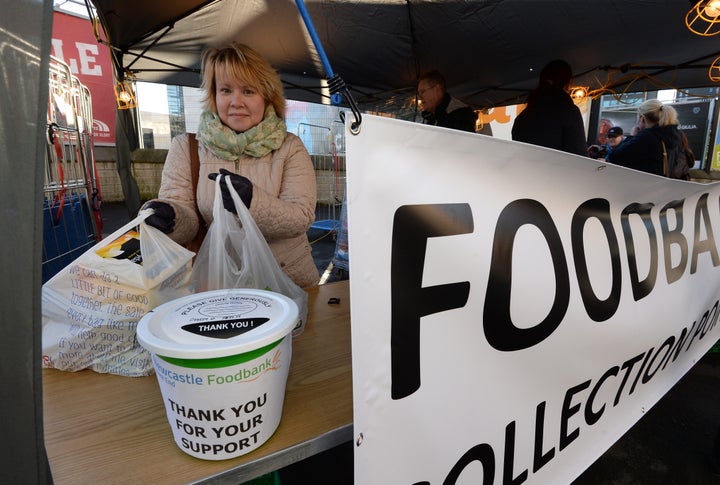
point(578, 93)
point(712, 9)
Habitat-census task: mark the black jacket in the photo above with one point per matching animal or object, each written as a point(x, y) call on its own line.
point(551, 120)
point(452, 113)
point(644, 151)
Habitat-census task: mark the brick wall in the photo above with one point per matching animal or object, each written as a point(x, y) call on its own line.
point(147, 167)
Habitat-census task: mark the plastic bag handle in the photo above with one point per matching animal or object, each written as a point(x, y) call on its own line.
point(242, 211)
point(218, 204)
point(239, 204)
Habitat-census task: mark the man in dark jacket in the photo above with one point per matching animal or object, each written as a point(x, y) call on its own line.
point(551, 119)
point(441, 109)
point(615, 137)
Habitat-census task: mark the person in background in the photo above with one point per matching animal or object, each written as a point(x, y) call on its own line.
point(242, 137)
point(614, 137)
point(550, 118)
point(441, 109)
point(597, 152)
point(604, 125)
point(657, 124)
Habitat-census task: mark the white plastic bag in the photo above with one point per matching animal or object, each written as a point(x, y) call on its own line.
point(235, 254)
point(91, 308)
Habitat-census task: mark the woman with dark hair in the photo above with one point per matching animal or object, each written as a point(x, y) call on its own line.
point(550, 118)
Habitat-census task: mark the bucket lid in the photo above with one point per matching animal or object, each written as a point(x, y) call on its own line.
point(217, 323)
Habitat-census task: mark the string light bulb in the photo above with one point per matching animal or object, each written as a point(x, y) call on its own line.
point(124, 95)
point(714, 71)
point(579, 94)
point(704, 18)
point(712, 9)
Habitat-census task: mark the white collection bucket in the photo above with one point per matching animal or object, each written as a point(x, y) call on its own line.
point(222, 359)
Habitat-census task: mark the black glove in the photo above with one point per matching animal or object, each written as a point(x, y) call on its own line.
point(163, 218)
point(242, 186)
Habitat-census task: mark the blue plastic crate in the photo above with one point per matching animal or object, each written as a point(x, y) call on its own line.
point(67, 233)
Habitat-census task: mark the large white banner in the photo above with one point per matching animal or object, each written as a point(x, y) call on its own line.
point(514, 309)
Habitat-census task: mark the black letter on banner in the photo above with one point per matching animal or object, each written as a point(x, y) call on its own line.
point(592, 417)
point(640, 289)
point(714, 317)
point(540, 459)
point(509, 462)
point(627, 367)
point(707, 245)
point(674, 237)
point(499, 329)
point(649, 375)
point(701, 328)
point(412, 225)
point(598, 310)
point(482, 453)
point(567, 412)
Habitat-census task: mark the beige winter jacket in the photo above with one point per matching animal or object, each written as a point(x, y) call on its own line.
point(283, 200)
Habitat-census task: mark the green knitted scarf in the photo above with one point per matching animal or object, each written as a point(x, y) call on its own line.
point(258, 141)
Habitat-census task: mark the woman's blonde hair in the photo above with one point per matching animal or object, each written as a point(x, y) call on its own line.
point(245, 64)
point(659, 113)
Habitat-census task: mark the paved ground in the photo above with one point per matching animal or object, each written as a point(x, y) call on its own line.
point(671, 444)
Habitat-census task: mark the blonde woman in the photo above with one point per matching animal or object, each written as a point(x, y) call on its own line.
point(242, 136)
point(657, 124)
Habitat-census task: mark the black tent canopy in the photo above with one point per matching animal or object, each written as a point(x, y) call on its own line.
point(490, 51)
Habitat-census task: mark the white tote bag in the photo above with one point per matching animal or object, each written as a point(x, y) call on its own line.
point(91, 308)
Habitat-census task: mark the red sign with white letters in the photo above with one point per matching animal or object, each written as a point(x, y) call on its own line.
point(74, 43)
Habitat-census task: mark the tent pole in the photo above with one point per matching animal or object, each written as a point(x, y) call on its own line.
point(336, 84)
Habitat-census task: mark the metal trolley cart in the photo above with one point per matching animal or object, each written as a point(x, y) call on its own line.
point(326, 145)
point(71, 204)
